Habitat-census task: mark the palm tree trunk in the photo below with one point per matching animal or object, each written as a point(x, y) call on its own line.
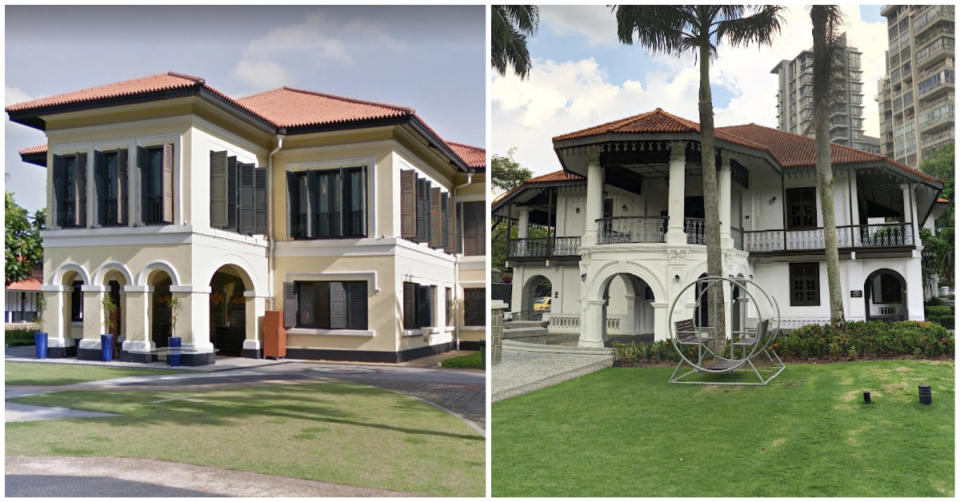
point(710, 200)
point(823, 56)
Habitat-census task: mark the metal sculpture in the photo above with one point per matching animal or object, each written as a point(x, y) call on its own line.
point(751, 343)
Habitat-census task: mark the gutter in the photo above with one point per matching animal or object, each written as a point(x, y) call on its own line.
point(456, 266)
point(271, 256)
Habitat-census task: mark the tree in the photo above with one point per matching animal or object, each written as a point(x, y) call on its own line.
point(826, 19)
point(24, 247)
point(506, 172)
point(510, 25)
point(938, 247)
point(675, 29)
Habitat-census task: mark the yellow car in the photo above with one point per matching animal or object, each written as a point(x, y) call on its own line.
point(541, 304)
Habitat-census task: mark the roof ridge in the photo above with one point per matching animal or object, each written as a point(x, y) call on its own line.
point(241, 98)
point(17, 106)
point(463, 145)
point(199, 80)
point(351, 100)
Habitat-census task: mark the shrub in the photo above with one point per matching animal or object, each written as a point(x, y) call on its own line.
point(940, 314)
point(17, 337)
point(934, 301)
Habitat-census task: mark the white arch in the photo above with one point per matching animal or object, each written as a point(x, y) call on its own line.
point(67, 267)
point(694, 272)
point(158, 265)
point(600, 278)
point(238, 262)
point(110, 266)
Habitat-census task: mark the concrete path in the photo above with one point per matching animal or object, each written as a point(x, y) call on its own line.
point(16, 412)
point(527, 367)
point(127, 477)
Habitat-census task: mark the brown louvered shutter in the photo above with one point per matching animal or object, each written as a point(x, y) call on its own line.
point(100, 188)
point(123, 187)
point(445, 221)
point(260, 201)
point(357, 298)
point(80, 217)
point(338, 305)
point(451, 226)
point(218, 189)
point(59, 191)
point(408, 204)
point(245, 204)
point(289, 304)
point(473, 229)
point(409, 305)
point(140, 185)
point(167, 183)
point(436, 219)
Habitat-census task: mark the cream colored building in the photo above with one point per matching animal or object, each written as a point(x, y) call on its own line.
point(354, 218)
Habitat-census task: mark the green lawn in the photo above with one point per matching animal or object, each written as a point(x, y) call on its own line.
point(468, 361)
point(65, 374)
point(627, 432)
point(332, 432)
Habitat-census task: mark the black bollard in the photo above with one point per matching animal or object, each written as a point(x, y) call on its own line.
point(866, 397)
point(925, 398)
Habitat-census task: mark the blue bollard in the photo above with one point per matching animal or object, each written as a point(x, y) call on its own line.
point(173, 356)
point(106, 348)
point(40, 339)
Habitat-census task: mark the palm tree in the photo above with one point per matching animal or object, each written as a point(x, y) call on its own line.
point(825, 19)
point(510, 25)
point(675, 29)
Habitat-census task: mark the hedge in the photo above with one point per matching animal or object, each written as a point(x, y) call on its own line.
point(940, 314)
point(821, 342)
point(15, 337)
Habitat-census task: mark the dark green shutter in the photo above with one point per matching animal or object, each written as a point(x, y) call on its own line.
point(167, 182)
point(81, 216)
point(59, 191)
point(141, 184)
point(357, 301)
point(408, 204)
point(246, 201)
point(100, 188)
point(293, 205)
point(260, 201)
point(409, 305)
point(445, 221)
point(123, 187)
point(338, 306)
point(436, 219)
point(289, 304)
point(218, 189)
point(232, 190)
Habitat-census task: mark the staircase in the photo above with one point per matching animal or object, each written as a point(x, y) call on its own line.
point(535, 331)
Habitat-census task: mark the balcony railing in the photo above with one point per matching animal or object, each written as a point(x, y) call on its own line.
point(737, 234)
point(884, 235)
point(695, 230)
point(545, 247)
point(622, 229)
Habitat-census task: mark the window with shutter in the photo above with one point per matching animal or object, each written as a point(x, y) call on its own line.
point(425, 306)
point(246, 196)
point(289, 304)
point(331, 203)
point(804, 284)
point(448, 301)
point(338, 306)
point(307, 227)
point(445, 222)
point(474, 307)
point(218, 189)
point(109, 181)
point(155, 184)
point(123, 188)
point(409, 305)
point(453, 242)
point(327, 216)
point(142, 185)
point(70, 188)
point(357, 296)
point(76, 302)
point(80, 219)
point(233, 187)
point(293, 206)
point(99, 188)
point(260, 201)
point(474, 228)
point(408, 204)
point(331, 304)
point(167, 189)
point(436, 220)
point(354, 202)
point(421, 210)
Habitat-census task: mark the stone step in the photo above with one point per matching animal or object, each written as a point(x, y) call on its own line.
point(524, 332)
point(525, 324)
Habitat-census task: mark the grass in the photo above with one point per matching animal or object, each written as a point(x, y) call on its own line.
point(18, 337)
point(627, 432)
point(340, 433)
point(467, 361)
point(51, 374)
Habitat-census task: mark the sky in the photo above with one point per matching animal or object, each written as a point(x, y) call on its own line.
point(582, 76)
point(430, 58)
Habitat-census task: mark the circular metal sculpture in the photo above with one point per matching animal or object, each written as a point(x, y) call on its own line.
point(694, 333)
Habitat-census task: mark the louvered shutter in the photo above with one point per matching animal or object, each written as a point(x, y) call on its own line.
point(167, 183)
point(473, 229)
point(423, 210)
point(451, 226)
point(357, 298)
point(307, 230)
point(260, 201)
point(123, 187)
point(409, 305)
point(59, 191)
point(445, 221)
point(140, 185)
point(431, 307)
point(289, 304)
point(81, 214)
point(111, 194)
point(232, 189)
point(458, 226)
point(338, 306)
point(408, 204)
point(246, 198)
point(293, 205)
point(436, 219)
point(218, 189)
point(99, 188)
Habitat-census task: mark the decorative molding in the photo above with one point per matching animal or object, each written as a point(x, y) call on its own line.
point(332, 332)
point(347, 275)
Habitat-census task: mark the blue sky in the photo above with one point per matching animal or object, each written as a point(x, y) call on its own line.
point(431, 58)
point(582, 76)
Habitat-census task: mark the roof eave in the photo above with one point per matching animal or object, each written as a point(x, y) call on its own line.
point(35, 158)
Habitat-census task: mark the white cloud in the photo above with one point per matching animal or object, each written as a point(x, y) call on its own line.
point(13, 95)
point(316, 40)
point(564, 96)
point(596, 22)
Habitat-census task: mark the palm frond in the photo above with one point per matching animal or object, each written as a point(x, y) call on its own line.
point(758, 28)
point(510, 25)
point(659, 28)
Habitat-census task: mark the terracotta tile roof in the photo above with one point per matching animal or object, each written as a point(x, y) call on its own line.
point(472, 156)
point(143, 85)
point(28, 284)
point(554, 177)
point(941, 200)
point(287, 107)
point(34, 150)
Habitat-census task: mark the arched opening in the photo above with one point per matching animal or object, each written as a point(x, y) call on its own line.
point(113, 323)
point(161, 325)
point(627, 310)
point(228, 310)
point(885, 296)
point(536, 289)
point(702, 313)
point(73, 311)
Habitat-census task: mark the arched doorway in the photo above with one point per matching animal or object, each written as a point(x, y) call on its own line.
point(627, 310)
point(73, 312)
point(161, 319)
point(535, 288)
point(885, 296)
point(228, 310)
point(702, 313)
point(113, 323)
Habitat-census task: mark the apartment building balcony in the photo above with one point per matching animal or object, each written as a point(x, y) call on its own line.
point(930, 139)
point(929, 19)
point(939, 49)
point(544, 247)
point(946, 64)
point(849, 237)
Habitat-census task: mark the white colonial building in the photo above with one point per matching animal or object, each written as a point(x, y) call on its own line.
point(616, 234)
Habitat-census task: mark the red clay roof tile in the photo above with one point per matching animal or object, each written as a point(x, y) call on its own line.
point(288, 107)
point(28, 284)
point(472, 156)
point(142, 85)
point(32, 150)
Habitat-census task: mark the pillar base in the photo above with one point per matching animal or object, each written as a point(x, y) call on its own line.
point(590, 344)
point(198, 359)
point(135, 357)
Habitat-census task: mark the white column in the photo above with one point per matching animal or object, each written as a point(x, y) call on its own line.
point(677, 180)
point(594, 209)
point(910, 215)
point(523, 222)
point(55, 322)
point(193, 323)
point(723, 186)
point(93, 325)
point(136, 310)
point(591, 324)
point(255, 308)
point(660, 313)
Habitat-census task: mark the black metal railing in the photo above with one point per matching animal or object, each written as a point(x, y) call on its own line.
point(882, 235)
point(622, 229)
point(544, 247)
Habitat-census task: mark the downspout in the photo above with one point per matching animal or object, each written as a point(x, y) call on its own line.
point(273, 241)
point(456, 266)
